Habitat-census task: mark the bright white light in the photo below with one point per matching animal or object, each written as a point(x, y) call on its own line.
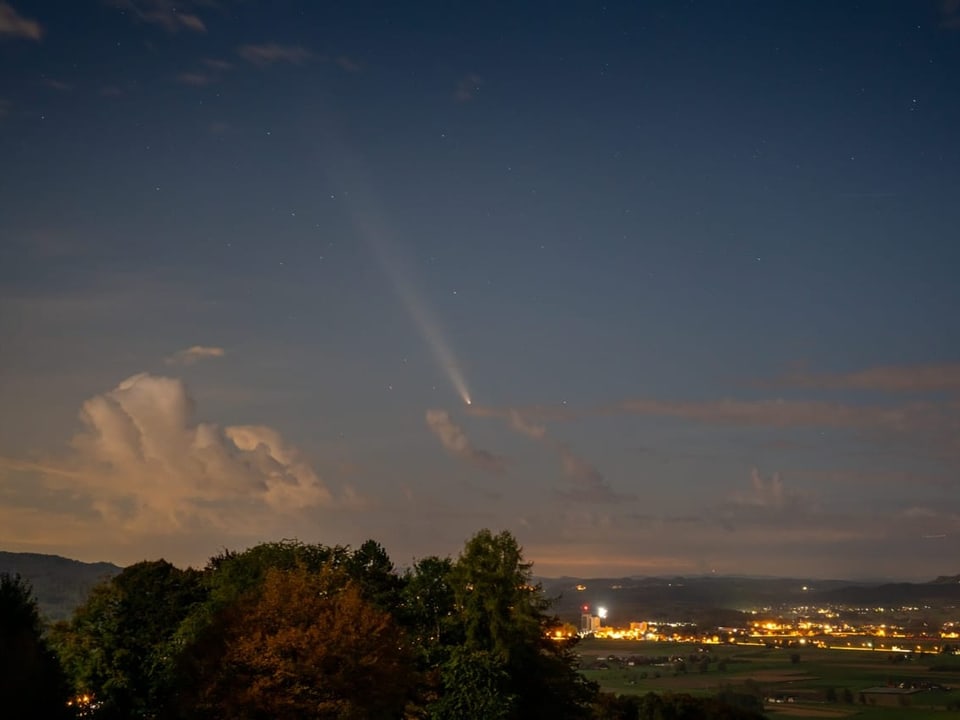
point(602, 613)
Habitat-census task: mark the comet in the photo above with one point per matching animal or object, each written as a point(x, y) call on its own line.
point(374, 233)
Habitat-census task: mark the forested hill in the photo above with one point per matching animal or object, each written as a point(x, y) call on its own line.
point(59, 584)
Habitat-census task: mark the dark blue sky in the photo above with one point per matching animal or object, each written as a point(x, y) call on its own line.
point(692, 263)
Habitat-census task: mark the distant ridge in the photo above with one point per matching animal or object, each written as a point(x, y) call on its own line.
point(59, 584)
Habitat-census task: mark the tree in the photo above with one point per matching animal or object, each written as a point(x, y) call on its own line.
point(371, 568)
point(32, 683)
point(502, 613)
point(303, 644)
point(119, 646)
point(476, 686)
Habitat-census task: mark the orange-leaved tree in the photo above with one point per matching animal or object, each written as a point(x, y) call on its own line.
point(307, 644)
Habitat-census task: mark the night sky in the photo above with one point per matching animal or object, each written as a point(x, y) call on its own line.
point(658, 286)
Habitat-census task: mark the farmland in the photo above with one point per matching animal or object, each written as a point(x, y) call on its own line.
point(810, 682)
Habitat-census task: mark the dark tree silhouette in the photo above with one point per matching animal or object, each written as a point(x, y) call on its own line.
point(32, 683)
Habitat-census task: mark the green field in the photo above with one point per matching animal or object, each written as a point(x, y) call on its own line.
point(820, 684)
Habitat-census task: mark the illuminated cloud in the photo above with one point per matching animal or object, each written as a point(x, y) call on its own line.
point(170, 15)
point(891, 378)
point(271, 53)
point(458, 444)
point(142, 466)
point(194, 354)
point(14, 24)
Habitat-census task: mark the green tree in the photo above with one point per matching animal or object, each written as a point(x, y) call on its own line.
point(119, 646)
point(373, 571)
point(32, 683)
point(476, 685)
point(427, 606)
point(501, 612)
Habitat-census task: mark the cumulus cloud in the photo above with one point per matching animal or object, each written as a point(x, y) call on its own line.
point(14, 24)
point(144, 465)
point(271, 53)
point(170, 15)
point(195, 353)
point(458, 444)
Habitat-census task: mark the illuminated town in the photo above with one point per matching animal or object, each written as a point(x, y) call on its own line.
point(873, 629)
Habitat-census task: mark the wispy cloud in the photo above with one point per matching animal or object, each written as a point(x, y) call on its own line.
point(14, 24)
point(458, 444)
point(891, 378)
point(271, 53)
point(787, 413)
point(190, 355)
point(768, 493)
point(348, 64)
point(950, 14)
point(167, 14)
point(467, 88)
point(519, 424)
point(588, 484)
point(58, 85)
point(211, 71)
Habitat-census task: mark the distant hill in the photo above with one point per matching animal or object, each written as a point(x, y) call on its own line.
point(59, 584)
point(721, 599)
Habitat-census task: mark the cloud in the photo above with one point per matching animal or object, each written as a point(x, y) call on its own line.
point(14, 24)
point(273, 53)
point(348, 64)
point(211, 72)
point(57, 85)
point(765, 493)
point(892, 378)
point(467, 88)
point(144, 465)
point(950, 14)
point(195, 353)
point(589, 485)
point(197, 79)
point(786, 413)
point(517, 423)
point(167, 14)
point(458, 444)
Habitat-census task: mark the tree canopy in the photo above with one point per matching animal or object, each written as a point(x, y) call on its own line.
point(289, 630)
point(32, 683)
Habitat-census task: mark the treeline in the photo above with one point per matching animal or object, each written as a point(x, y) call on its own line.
point(289, 630)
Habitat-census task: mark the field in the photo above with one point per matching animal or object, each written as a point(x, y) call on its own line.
point(804, 682)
